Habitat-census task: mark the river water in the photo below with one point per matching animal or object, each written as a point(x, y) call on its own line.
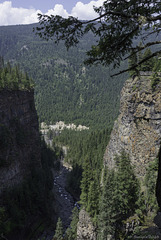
point(63, 201)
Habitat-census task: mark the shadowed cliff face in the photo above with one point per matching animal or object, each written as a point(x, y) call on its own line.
point(19, 136)
point(138, 127)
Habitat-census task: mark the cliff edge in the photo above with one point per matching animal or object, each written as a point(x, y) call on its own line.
point(19, 136)
point(137, 130)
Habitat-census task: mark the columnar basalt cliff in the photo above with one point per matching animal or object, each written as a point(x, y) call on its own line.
point(19, 136)
point(137, 130)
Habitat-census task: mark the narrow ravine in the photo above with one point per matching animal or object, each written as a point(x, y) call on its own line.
point(63, 201)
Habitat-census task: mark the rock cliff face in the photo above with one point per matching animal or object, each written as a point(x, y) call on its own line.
point(19, 136)
point(138, 127)
point(85, 228)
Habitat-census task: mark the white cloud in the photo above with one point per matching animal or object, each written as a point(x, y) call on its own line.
point(58, 10)
point(10, 15)
point(80, 10)
point(86, 11)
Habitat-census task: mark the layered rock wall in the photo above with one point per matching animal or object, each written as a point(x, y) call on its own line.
point(137, 130)
point(19, 136)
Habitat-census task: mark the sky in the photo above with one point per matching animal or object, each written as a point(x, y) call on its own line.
point(25, 11)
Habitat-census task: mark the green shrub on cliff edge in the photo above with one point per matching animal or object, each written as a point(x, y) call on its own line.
point(13, 79)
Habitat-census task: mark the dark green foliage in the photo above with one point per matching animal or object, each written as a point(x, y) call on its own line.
point(119, 198)
point(73, 180)
point(149, 64)
point(141, 210)
point(150, 183)
point(132, 61)
point(13, 79)
point(107, 210)
point(157, 64)
point(93, 198)
point(84, 143)
point(127, 191)
point(65, 89)
point(87, 177)
point(155, 80)
point(86, 149)
point(59, 230)
point(71, 233)
point(137, 57)
point(119, 25)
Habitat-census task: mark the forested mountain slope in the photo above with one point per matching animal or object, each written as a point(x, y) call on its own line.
point(65, 89)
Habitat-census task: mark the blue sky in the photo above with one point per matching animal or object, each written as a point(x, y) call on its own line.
point(45, 5)
point(25, 11)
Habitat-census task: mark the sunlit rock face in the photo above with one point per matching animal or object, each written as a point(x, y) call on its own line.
point(19, 137)
point(137, 130)
point(85, 228)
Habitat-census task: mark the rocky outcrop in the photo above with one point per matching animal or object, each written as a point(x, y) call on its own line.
point(85, 228)
point(19, 136)
point(138, 127)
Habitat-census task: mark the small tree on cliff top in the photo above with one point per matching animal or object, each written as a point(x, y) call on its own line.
point(117, 25)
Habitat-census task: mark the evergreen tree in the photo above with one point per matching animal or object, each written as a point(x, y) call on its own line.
point(119, 198)
point(149, 64)
point(107, 213)
point(150, 183)
point(157, 64)
point(59, 230)
point(120, 23)
point(13, 78)
point(85, 183)
point(93, 199)
point(71, 233)
point(132, 61)
point(127, 187)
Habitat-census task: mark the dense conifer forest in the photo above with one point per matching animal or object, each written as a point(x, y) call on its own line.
point(65, 89)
